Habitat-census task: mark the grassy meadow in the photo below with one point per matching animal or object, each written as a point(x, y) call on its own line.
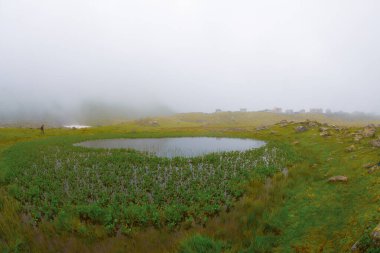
point(59, 198)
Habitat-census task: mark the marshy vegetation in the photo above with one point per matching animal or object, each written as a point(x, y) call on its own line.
point(122, 189)
point(56, 196)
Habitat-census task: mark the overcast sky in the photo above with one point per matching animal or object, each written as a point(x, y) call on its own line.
point(191, 55)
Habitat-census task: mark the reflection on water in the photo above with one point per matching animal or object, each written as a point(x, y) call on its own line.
point(172, 147)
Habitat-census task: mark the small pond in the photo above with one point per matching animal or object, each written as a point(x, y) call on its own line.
point(172, 147)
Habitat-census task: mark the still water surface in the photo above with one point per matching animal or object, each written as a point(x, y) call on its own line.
point(172, 147)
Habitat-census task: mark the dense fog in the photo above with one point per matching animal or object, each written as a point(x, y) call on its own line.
point(77, 61)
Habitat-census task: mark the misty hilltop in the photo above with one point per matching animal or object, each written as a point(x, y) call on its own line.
point(90, 112)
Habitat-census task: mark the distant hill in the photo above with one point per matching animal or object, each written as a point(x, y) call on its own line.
point(255, 119)
point(96, 113)
point(90, 113)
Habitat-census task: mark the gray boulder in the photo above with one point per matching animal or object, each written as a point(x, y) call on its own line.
point(338, 179)
point(376, 143)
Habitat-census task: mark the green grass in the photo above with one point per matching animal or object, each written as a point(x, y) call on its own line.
point(200, 244)
point(125, 188)
point(300, 212)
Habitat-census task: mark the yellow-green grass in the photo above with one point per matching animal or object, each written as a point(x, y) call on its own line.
point(298, 213)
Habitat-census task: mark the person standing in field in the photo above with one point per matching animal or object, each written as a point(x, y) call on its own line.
point(42, 128)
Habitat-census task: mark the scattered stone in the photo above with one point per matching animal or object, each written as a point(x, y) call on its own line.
point(358, 138)
point(283, 123)
point(301, 129)
point(313, 124)
point(296, 142)
point(375, 235)
point(26, 219)
point(350, 148)
point(148, 122)
point(260, 128)
point(338, 179)
point(285, 172)
point(369, 131)
point(325, 134)
point(368, 165)
point(323, 129)
point(355, 247)
point(268, 184)
point(376, 143)
point(373, 169)
point(154, 123)
point(338, 129)
point(310, 123)
point(234, 129)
